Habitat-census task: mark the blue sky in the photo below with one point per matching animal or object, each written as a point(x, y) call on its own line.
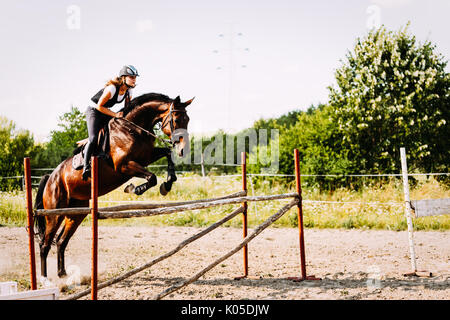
point(242, 60)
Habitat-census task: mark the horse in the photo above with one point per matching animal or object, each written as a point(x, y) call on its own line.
point(131, 149)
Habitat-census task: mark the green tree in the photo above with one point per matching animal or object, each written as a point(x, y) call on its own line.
point(393, 92)
point(316, 137)
point(62, 142)
point(286, 120)
point(15, 144)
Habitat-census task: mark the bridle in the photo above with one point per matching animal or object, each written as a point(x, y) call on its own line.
point(169, 119)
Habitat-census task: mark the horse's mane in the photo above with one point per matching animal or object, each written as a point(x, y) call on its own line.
point(145, 98)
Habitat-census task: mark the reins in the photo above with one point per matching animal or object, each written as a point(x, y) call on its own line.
point(167, 142)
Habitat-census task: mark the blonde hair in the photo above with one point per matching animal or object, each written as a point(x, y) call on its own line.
point(117, 81)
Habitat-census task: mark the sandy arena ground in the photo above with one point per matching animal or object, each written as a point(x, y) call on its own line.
point(353, 264)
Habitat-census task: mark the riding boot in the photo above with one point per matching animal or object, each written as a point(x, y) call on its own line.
point(87, 158)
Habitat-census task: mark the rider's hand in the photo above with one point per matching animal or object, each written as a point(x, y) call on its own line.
point(119, 115)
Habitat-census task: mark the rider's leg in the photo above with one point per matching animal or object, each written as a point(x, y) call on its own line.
point(94, 121)
point(90, 147)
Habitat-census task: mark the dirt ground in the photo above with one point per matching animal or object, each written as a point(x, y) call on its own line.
point(353, 264)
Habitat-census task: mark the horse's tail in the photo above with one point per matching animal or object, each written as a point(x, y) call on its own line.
point(39, 204)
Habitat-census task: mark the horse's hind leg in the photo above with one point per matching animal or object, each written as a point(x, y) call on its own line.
point(52, 225)
point(70, 226)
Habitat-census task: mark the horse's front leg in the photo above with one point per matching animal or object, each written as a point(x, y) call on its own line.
point(171, 176)
point(157, 154)
point(134, 169)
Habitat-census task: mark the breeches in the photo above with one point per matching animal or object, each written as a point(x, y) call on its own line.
point(95, 121)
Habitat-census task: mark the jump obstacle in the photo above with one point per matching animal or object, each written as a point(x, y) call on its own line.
point(149, 209)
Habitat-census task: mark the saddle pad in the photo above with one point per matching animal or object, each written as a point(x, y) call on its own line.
point(77, 161)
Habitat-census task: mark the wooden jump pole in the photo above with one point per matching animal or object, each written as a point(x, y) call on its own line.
point(298, 186)
point(158, 211)
point(94, 217)
point(244, 213)
point(160, 258)
point(247, 239)
point(132, 206)
point(30, 222)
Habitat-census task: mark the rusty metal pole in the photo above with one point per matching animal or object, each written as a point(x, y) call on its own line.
point(30, 222)
point(244, 214)
point(298, 186)
point(94, 216)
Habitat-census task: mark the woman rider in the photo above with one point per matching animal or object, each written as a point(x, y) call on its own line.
point(114, 92)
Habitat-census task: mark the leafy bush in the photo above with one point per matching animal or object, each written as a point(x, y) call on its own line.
point(393, 92)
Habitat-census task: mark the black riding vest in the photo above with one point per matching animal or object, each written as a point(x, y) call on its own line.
point(111, 101)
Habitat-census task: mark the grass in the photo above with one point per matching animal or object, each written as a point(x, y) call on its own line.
point(12, 209)
point(376, 207)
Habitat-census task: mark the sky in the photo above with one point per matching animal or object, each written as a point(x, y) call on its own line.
point(242, 60)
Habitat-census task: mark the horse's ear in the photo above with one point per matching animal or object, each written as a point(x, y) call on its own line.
point(188, 102)
point(177, 100)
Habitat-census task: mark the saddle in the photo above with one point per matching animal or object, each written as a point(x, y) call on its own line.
point(102, 150)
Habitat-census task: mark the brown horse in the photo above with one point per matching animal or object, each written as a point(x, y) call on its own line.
point(131, 141)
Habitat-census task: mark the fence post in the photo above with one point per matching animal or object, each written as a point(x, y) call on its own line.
point(30, 222)
point(300, 222)
point(408, 210)
point(94, 216)
point(244, 214)
point(298, 187)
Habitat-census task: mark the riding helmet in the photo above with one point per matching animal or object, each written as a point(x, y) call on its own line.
point(128, 70)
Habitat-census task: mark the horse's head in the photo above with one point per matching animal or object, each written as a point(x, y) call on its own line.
point(151, 108)
point(174, 124)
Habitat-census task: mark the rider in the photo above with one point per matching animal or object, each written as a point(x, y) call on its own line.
point(115, 91)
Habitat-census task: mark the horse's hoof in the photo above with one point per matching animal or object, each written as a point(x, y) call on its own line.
point(129, 188)
point(62, 273)
point(162, 189)
point(45, 281)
